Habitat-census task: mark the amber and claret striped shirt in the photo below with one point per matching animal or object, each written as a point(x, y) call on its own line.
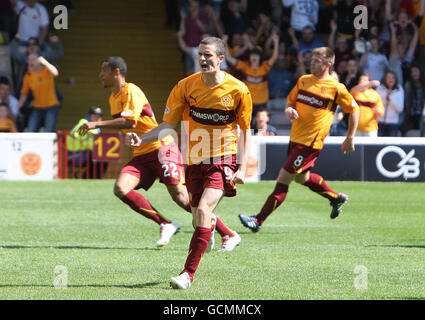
point(210, 115)
point(367, 101)
point(256, 80)
point(131, 103)
point(316, 102)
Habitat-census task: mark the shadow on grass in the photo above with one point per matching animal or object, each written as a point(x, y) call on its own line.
point(123, 286)
point(398, 245)
point(77, 247)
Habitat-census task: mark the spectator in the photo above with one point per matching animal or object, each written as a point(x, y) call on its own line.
point(303, 65)
point(392, 95)
point(351, 76)
point(40, 80)
point(304, 13)
point(233, 16)
point(8, 99)
point(374, 63)
point(308, 42)
point(281, 82)
point(33, 21)
point(343, 52)
point(6, 124)
point(262, 128)
point(338, 127)
point(370, 104)
point(414, 101)
point(80, 148)
point(193, 27)
point(344, 16)
point(255, 74)
point(51, 53)
point(402, 52)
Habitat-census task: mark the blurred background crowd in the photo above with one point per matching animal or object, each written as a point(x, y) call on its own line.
point(269, 46)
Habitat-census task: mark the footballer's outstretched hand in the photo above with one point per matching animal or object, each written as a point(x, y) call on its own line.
point(86, 127)
point(132, 139)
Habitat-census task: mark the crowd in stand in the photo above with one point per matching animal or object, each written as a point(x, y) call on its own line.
point(28, 91)
point(269, 42)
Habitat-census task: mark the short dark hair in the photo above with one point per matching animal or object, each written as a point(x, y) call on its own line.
point(4, 80)
point(96, 110)
point(219, 45)
point(117, 62)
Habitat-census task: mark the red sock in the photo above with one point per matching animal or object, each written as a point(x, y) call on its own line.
point(273, 201)
point(222, 229)
point(198, 246)
point(140, 204)
point(318, 185)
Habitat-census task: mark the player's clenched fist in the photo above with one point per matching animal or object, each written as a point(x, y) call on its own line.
point(132, 139)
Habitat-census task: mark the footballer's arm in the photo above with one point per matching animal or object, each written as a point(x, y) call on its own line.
point(118, 123)
point(244, 145)
point(133, 140)
point(353, 121)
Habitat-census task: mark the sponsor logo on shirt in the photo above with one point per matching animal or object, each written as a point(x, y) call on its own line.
point(312, 100)
point(212, 116)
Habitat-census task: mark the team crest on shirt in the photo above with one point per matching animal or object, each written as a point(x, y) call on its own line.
point(226, 101)
point(167, 110)
point(323, 90)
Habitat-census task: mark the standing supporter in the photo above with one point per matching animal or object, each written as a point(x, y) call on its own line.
point(233, 15)
point(193, 27)
point(374, 63)
point(344, 15)
point(414, 101)
point(343, 52)
point(402, 51)
point(308, 42)
point(255, 74)
point(351, 76)
point(281, 81)
point(33, 21)
point(213, 170)
point(40, 80)
point(370, 104)
point(310, 106)
point(392, 95)
point(304, 13)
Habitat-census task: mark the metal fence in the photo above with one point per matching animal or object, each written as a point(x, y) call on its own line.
point(102, 158)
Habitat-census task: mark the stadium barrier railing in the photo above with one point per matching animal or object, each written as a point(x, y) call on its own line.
point(103, 160)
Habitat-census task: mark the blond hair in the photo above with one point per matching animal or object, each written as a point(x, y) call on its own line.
point(327, 54)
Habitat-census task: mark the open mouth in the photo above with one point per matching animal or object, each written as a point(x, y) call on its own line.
point(204, 66)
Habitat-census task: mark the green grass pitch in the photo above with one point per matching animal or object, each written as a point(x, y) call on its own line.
point(374, 250)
